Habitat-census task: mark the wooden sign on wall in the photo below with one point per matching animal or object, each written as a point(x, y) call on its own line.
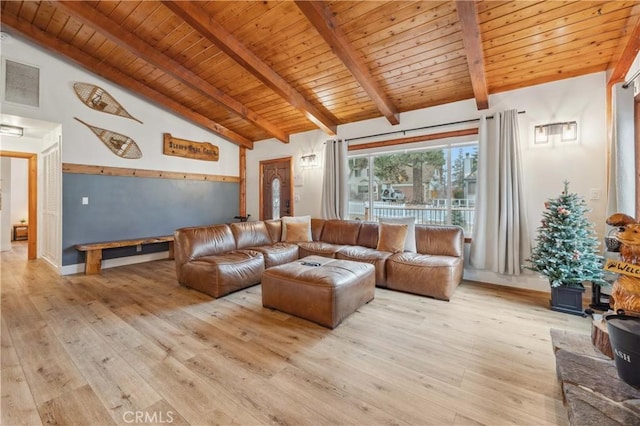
point(189, 149)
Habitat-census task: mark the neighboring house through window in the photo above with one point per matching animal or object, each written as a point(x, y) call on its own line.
point(435, 185)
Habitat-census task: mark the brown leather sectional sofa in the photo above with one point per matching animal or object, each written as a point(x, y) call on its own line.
point(220, 259)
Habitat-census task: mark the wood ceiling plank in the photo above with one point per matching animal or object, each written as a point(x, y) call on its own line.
point(57, 22)
point(583, 30)
point(557, 18)
point(43, 15)
point(83, 35)
point(569, 42)
point(142, 16)
point(423, 59)
point(541, 78)
point(560, 68)
point(107, 7)
point(11, 7)
point(99, 67)
point(93, 43)
point(591, 17)
point(472, 41)
point(521, 11)
point(320, 17)
point(138, 46)
point(226, 42)
point(428, 79)
point(236, 14)
point(28, 11)
point(493, 8)
point(350, 11)
point(620, 63)
point(429, 33)
point(120, 12)
point(70, 29)
point(414, 18)
point(267, 25)
point(540, 59)
point(556, 62)
point(437, 68)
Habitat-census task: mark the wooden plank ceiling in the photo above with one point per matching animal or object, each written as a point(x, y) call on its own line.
point(250, 70)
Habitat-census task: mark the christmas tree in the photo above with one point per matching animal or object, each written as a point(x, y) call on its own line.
point(567, 248)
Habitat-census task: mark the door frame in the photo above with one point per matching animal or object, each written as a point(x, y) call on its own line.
point(263, 163)
point(32, 184)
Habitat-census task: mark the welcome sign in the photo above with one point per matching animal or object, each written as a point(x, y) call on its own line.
point(624, 268)
point(189, 149)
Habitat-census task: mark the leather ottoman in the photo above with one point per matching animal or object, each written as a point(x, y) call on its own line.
point(325, 294)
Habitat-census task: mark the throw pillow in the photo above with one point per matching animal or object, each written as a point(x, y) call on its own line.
point(391, 237)
point(410, 242)
point(298, 231)
point(293, 219)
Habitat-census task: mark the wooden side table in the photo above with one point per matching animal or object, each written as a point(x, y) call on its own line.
point(20, 232)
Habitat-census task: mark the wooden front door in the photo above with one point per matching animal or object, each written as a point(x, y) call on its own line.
point(276, 188)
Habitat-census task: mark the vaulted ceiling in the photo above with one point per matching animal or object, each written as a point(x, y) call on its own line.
point(253, 70)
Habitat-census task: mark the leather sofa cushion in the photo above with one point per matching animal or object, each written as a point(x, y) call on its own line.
point(368, 255)
point(278, 253)
point(316, 228)
point(435, 276)
point(249, 234)
point(392, 237)
point(192, 243)
point(368, 235)
point(222, 274)
point(440, 240)
point(298, 231)
point(274, 226)
point(341, 232)
point(319, 248)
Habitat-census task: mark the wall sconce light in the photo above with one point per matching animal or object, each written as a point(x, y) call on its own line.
point(564, 131)
point(309, 161)
point(6, 129)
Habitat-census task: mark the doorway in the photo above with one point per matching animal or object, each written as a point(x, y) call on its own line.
point(32, 184)
point(276, 188)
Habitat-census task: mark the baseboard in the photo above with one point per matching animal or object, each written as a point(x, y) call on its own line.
point(526, 281)
point(78, 268)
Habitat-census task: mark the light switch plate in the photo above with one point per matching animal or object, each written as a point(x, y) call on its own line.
point(85, 201)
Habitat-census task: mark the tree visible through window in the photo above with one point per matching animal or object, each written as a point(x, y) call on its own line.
point(436, 186)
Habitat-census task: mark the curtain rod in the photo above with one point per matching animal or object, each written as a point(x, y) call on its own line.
point(633, 77)
point(404, 132)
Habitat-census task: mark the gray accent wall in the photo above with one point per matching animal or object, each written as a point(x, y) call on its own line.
point(135, 207)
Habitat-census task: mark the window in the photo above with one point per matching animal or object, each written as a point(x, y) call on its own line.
point(275, 198)
point(435, 185)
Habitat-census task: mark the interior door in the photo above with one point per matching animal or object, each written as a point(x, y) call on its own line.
point(276, 188)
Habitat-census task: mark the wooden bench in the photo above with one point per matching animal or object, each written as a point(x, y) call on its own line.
point(93, 262)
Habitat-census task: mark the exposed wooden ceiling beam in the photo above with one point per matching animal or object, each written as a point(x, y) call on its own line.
point(112, 74)
point(621, 67)
point(468, 16)
point(114, 32)
point(319, 15)
point(206, 25)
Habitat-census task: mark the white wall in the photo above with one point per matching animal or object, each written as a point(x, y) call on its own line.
point(19, 190)
point(545, 167)
point(5, 210)
point(308, 182)
point(59, 104)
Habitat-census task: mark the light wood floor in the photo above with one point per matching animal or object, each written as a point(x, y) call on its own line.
point(131, 346)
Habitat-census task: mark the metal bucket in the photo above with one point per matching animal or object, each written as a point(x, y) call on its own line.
point(624, 336)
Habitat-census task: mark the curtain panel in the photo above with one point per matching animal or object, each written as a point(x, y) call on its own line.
point(621, 197)
point(501, 238)
point(335, 187)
